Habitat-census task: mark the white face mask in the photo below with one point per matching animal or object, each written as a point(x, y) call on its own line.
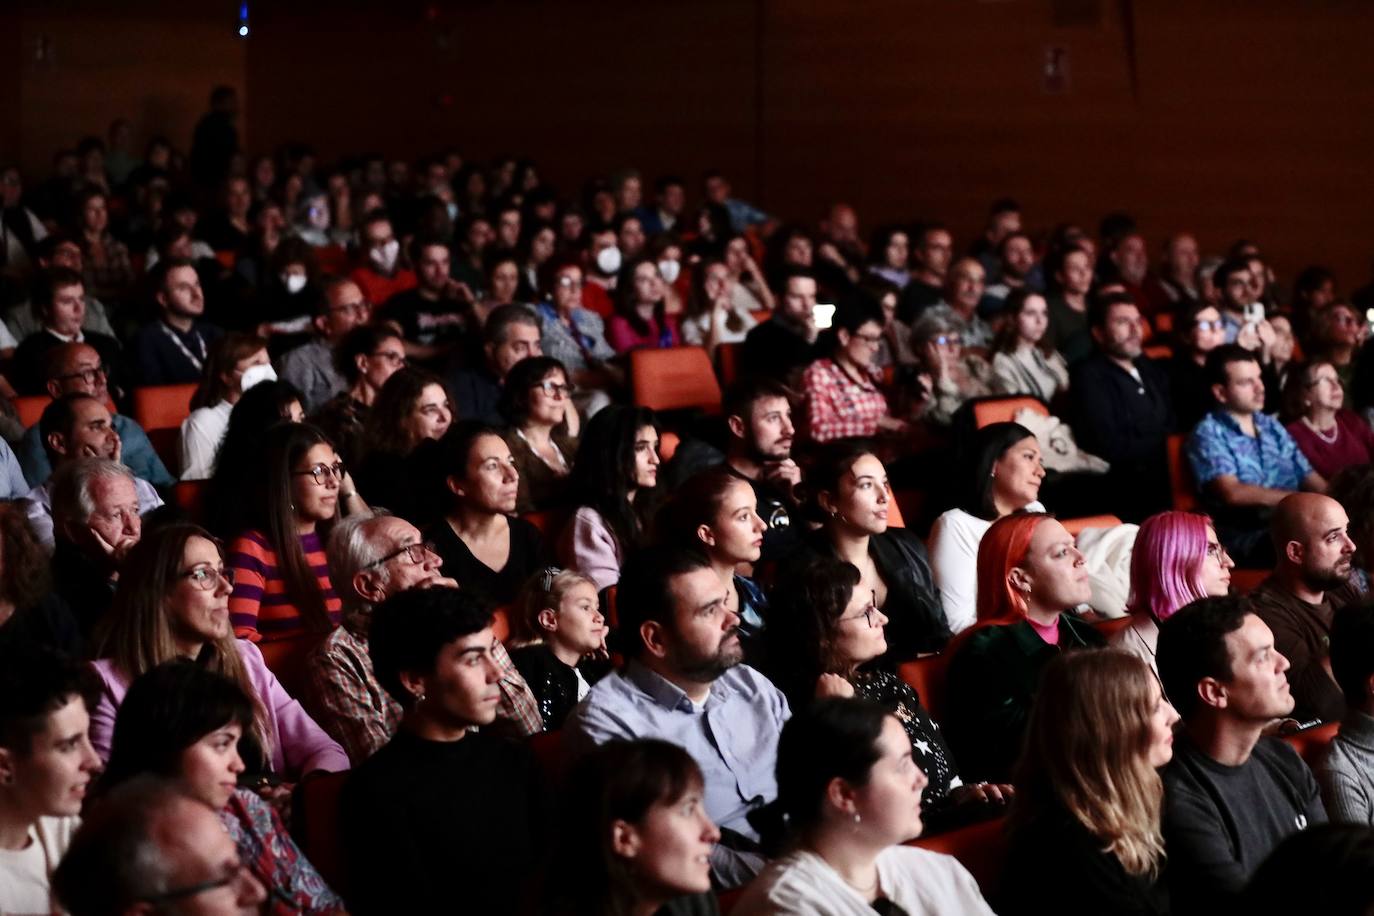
point(385, 257)
point(294, 283)
point(669, 270)
point(608, 260)
point(253, 375)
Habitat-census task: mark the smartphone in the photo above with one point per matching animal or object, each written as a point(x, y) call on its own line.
point(824, 314)
point(1254, 313)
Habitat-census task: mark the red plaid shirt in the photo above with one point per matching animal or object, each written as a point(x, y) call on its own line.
point(838, 407)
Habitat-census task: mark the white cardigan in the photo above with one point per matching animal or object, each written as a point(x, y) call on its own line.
point(921, 882)
point(954, 541)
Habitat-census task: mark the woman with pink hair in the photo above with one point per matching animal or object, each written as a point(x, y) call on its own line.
point(1177, 559)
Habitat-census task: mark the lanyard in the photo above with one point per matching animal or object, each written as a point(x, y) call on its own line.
point(197, 361)
point(584, 341)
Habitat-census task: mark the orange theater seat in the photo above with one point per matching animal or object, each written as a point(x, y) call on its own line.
point(1164, 322)
point(1311, 743)
point(30, 408)
point(674, 379)
point(894, 511)
point(160, 410)
point(1003, 410)
point(667, 445)
point(1180, 477)
point(926, 676)
point(189, 496)
point(550, 523)
point(1110, 628)
point(1247, 580)
point(316, 826)
point(500, 623)
point(727, 362)
point(1159, 351)
point(1076, 525)
point(981, 848)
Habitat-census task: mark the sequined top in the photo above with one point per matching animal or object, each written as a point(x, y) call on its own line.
point(928, 746)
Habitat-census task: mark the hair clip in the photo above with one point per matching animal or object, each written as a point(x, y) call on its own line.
point(546, 578)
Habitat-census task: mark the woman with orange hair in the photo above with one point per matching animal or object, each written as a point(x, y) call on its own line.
point(1029, 574)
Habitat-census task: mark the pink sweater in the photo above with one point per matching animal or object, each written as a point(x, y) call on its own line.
point(299, 746)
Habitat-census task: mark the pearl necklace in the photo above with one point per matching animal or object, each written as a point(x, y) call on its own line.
point(1335, 432)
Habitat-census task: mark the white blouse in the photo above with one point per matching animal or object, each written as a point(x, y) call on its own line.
point(954, 541)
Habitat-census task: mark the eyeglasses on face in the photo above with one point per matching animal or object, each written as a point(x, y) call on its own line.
point(555, 389)
point(414, 553)
point(391, 357)
point(89, 376)
point(1210, 325)
point(948, 340)
point(239, 874)
point(323, 473)
point(869, 613)
point(206, 578)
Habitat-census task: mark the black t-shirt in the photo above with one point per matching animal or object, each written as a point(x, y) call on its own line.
point(1220, 822)
point(917, 296)
point(774, 350)
point(500, 587)
point(439, 827)
point(430, 322)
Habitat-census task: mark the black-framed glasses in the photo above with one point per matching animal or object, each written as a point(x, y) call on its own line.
point(206, 578)
point(415, 553)
point(948, 340)
point(871, 339)
point(323, 473)
point(392, 358)
point(191, 890)
point(89, 376)
point(1208, 325)
point(869, 613)
point(555, 389)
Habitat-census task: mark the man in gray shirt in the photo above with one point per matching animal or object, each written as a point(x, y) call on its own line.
point(310, 367)
point(1346, 772)
point(683, 682)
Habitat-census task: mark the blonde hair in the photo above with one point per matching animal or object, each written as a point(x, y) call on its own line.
point(545, 589)
point(1087, 751)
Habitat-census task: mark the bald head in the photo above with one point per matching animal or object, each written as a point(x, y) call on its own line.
point(75, 367)
point(1311, 540)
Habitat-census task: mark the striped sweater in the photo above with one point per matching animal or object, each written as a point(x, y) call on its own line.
point(259, 607)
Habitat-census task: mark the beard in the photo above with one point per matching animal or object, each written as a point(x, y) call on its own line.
point(707, 668)
point(1330, 579)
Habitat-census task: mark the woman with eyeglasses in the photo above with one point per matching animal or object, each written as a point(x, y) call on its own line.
point(237, 362)
point(281, 578)
point(1331, 436)
point(850, 495)
point(1177, 559)
point(834, 634)
point(842, 393)
point(183, 722)
point(576, 337)
point(950, 374)
point(365, 359)
point(483, 545)
point(1198, 331)
point(537, 399)
point(172, 602)
point(412, 408)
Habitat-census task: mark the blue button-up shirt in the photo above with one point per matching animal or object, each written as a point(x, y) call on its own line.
point(1270, 458)
point(733, 736)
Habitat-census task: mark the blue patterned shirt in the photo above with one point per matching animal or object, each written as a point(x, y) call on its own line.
point(1270, 458)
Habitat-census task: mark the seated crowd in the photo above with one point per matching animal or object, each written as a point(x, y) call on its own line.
point(416, 605)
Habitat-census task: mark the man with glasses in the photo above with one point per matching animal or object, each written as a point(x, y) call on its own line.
point(685, 683)
point(76, 368)
point(150, 847)
point(78, 426)
point(310, 367)
point(372, 557)
point(964, 288)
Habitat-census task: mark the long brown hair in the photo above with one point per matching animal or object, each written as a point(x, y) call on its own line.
point(225, 354)
point(24, 572)
point(138, 633)
point(1087, 751)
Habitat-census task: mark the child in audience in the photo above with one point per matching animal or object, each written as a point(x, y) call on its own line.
point(1088, 792)
point(614, 481)
point(560, 633)
point(1176, 560)
point(850, 794)
point(184, 722)
point(281, 578)
point(636, 835)
point(1029, 575)
point(46, 765)
point(173, 601)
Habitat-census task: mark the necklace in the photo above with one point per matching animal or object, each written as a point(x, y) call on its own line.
point(1329, 440)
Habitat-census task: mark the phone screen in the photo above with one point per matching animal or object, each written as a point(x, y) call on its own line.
point(824, 314)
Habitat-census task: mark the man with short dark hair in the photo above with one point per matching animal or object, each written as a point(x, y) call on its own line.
point(444, 808)
point(23, 319)
point(785, 344)
point(931, 257)
point(1122, 410)
point(76, 368)
point(1311, 538)
point(1016, 260)
point(1243, 460)
point(59, 300)
point(148, 845)
point(510, 335)
point(173, 348)
point(437, 314)
point(1346, 773)
point(684, 683)
point(310, 367)
point(1004, 218)
point(1232, 281)
point(1230, 795)
point(670, 199)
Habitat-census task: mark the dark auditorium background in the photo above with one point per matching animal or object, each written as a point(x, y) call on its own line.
point(1210, 115)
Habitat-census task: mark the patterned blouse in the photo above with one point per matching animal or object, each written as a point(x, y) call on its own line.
point(293, 885)
point(928, 746)
point(838, 406)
